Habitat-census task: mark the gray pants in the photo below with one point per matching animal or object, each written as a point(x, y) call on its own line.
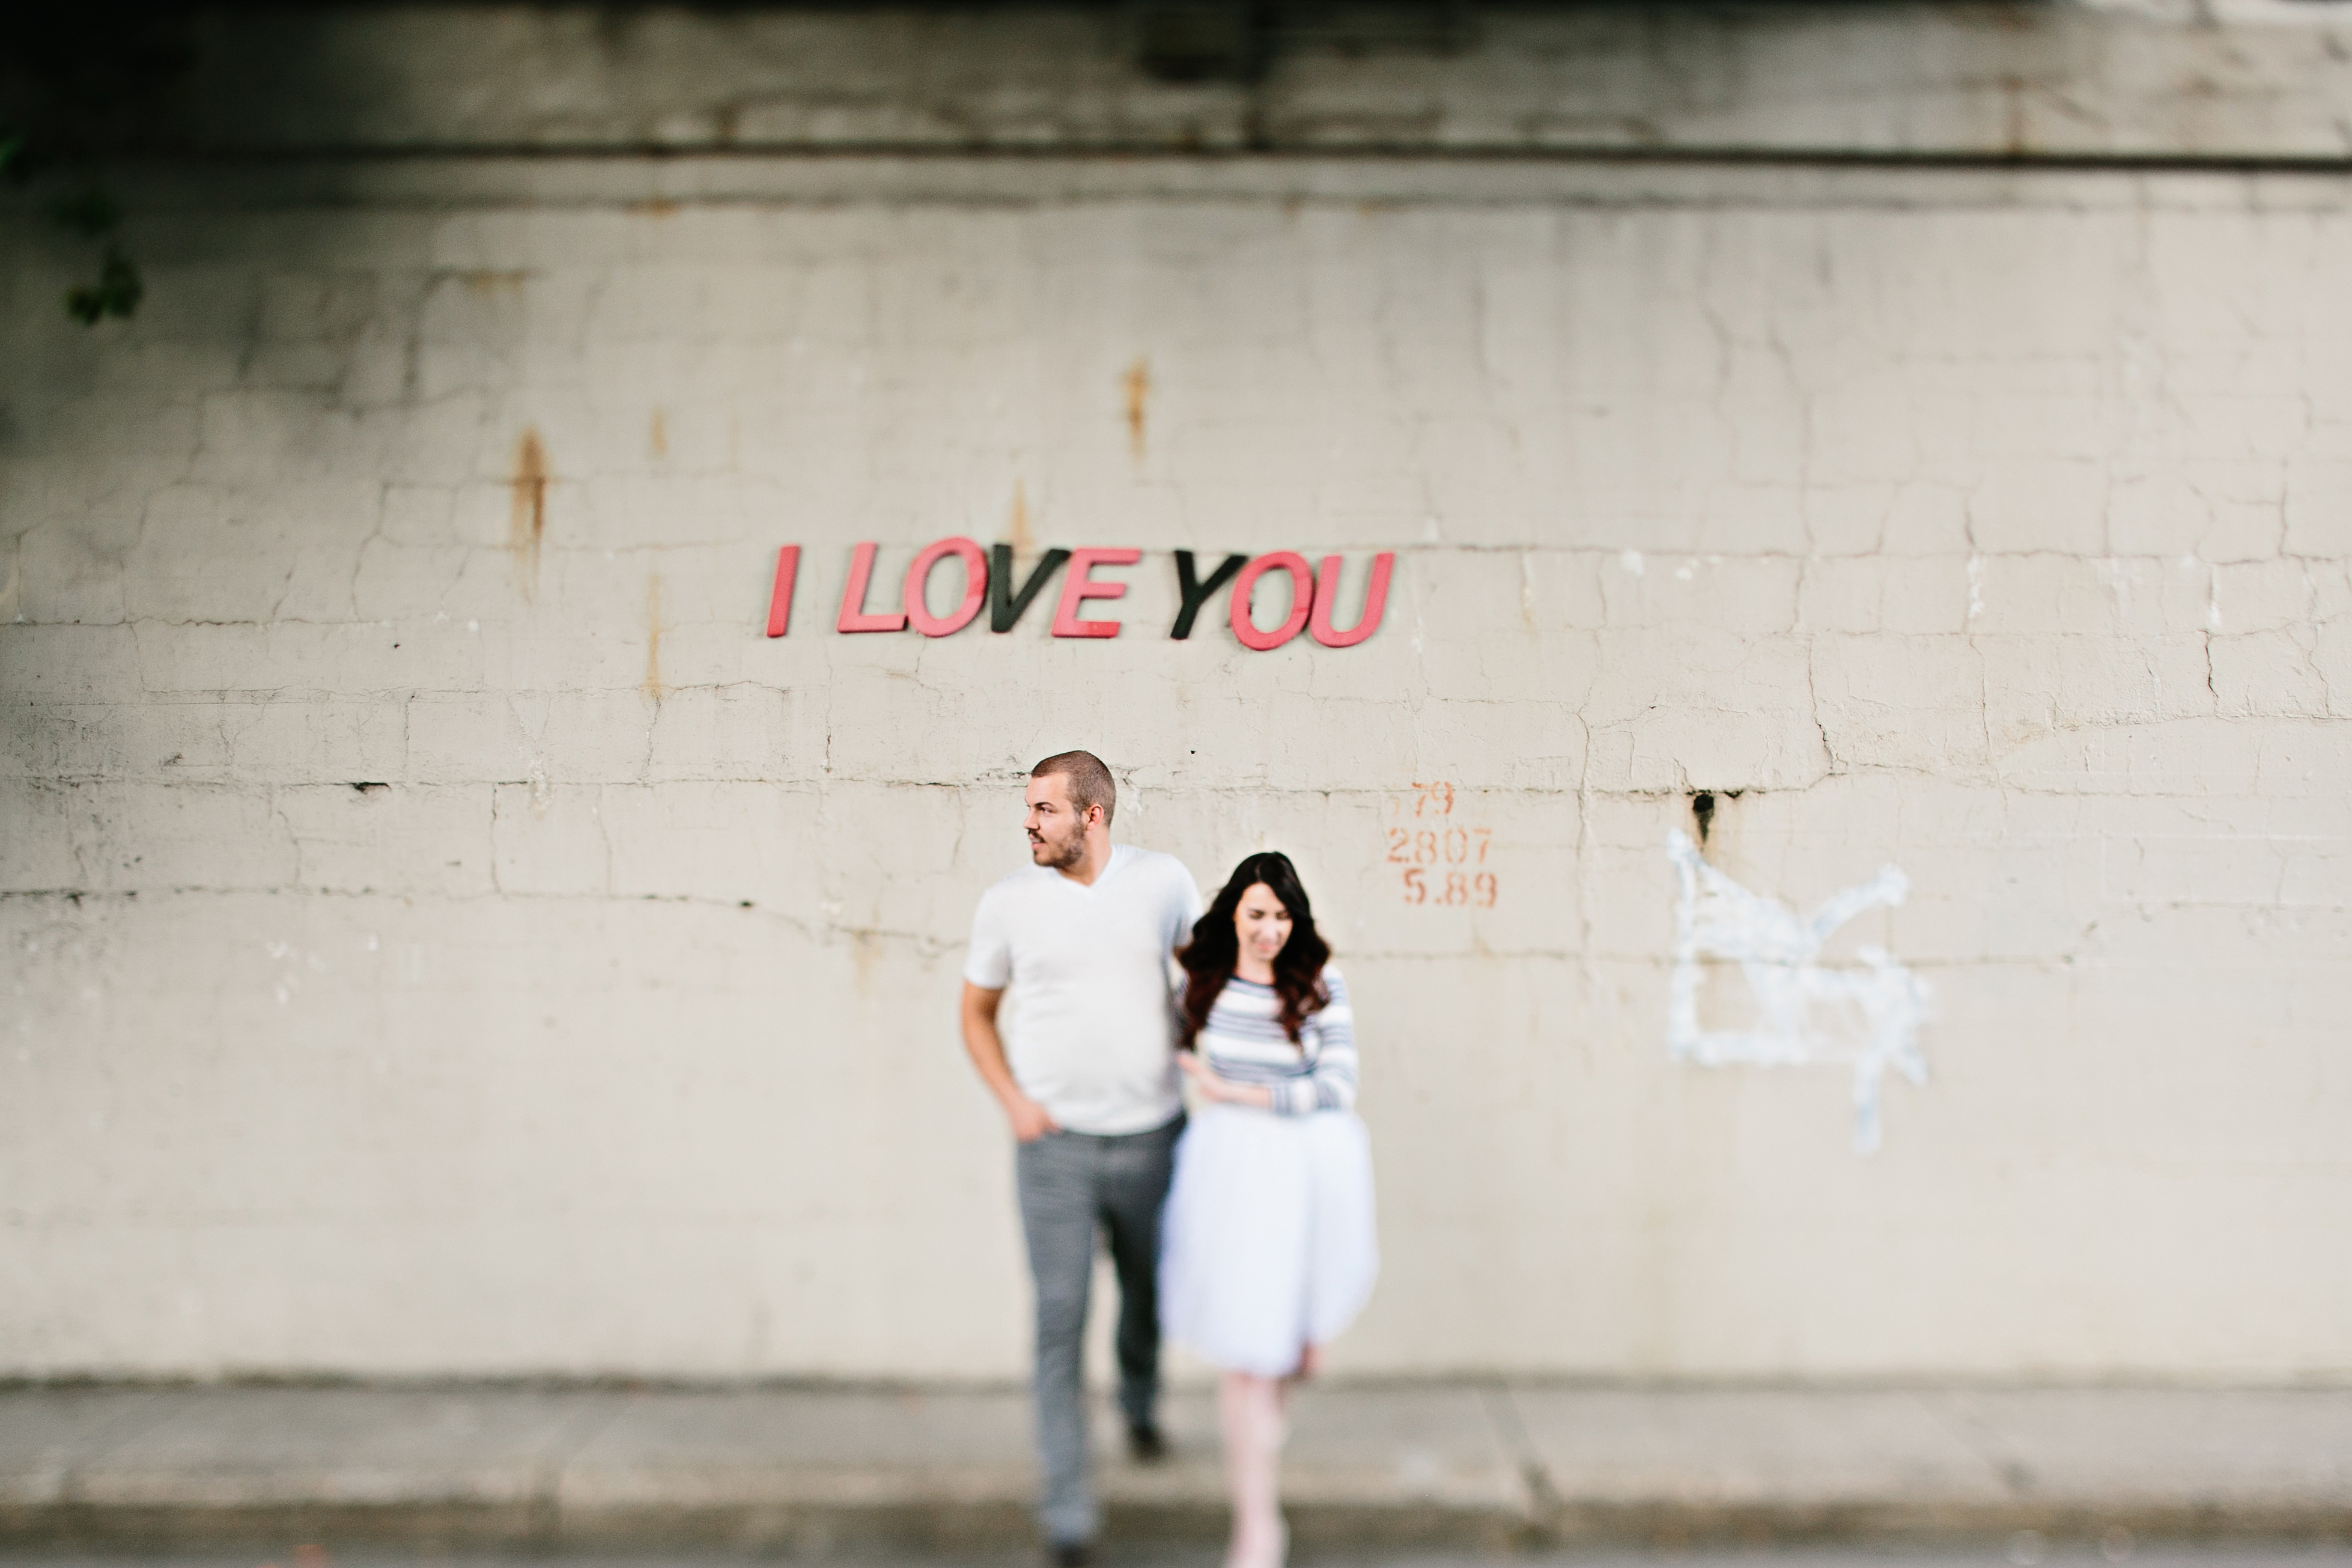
point(1071, 1183)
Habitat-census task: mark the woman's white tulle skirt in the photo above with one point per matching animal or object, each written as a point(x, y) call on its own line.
point(1267, 1245)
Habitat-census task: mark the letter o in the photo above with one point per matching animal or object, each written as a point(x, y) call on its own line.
point(1302, 600)
point(975, 587)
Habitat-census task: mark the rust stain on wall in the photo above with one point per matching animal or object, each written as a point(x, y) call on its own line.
point(486, 282)
point(2015, 142)
point(1137, 384)
point(654, 206)
point(1016, 531)
point(658, 436)
point(526, 525)
point(653, 682)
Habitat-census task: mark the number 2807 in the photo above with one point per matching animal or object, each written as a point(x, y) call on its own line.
point(1455, 846)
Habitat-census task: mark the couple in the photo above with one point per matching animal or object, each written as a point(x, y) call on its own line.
point(1248, 1232)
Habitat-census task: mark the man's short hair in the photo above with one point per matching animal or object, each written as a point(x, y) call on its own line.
point(1089, 783)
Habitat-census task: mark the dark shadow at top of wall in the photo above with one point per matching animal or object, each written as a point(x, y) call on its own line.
point(1891, 78)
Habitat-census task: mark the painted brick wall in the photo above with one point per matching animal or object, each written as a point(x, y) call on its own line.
point(444, 934)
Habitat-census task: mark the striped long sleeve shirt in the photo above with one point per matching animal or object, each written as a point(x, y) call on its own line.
point(1243, 1042)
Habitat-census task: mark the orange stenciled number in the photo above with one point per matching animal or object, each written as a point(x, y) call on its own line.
point(1478, 891)
point(1448, 844)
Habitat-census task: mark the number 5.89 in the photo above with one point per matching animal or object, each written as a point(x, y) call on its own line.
point(1455, 888)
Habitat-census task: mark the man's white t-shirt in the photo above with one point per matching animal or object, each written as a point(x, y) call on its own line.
point(1091, 1018)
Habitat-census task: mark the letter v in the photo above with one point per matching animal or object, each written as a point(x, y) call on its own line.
point(1004, 606)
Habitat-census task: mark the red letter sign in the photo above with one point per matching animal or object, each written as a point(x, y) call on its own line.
point(1302, 600)
point(1075, 588)
point(1327, 594)
point(975, 587)
point(854, 617)
point(780, 602)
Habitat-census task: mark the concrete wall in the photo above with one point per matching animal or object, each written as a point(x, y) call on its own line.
point(444, 934)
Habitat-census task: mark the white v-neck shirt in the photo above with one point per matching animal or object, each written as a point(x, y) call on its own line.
point(1090, 1024)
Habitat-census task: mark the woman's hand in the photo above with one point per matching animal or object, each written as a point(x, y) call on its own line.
point(1205, 1080)
point(1204, 1077)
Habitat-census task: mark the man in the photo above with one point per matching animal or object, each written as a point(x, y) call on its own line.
point(1081, 940)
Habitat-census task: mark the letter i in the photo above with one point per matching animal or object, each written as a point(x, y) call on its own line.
point(780, 602)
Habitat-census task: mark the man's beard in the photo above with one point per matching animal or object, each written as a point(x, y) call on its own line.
point(1042, 850)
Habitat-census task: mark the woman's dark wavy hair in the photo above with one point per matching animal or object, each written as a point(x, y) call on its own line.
point(1208, 958)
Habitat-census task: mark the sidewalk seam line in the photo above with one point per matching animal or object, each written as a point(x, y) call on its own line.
point(1511, 1431)
point(1991, 1450)
point(546, 1528)
point(72, 1474)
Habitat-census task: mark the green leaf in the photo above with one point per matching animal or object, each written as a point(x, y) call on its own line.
point(116, 292)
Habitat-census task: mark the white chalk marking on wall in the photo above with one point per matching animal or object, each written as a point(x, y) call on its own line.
point(1806, 1013)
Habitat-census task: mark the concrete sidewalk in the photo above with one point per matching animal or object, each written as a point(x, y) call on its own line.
point(1496, 1464)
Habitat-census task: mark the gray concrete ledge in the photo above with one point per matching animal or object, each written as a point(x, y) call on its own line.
point(669, 190)
point(1498, 1465)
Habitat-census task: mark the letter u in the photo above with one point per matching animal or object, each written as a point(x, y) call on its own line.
point(1326, 599)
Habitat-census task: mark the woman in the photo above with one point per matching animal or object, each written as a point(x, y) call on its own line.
point(1266, 1246)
